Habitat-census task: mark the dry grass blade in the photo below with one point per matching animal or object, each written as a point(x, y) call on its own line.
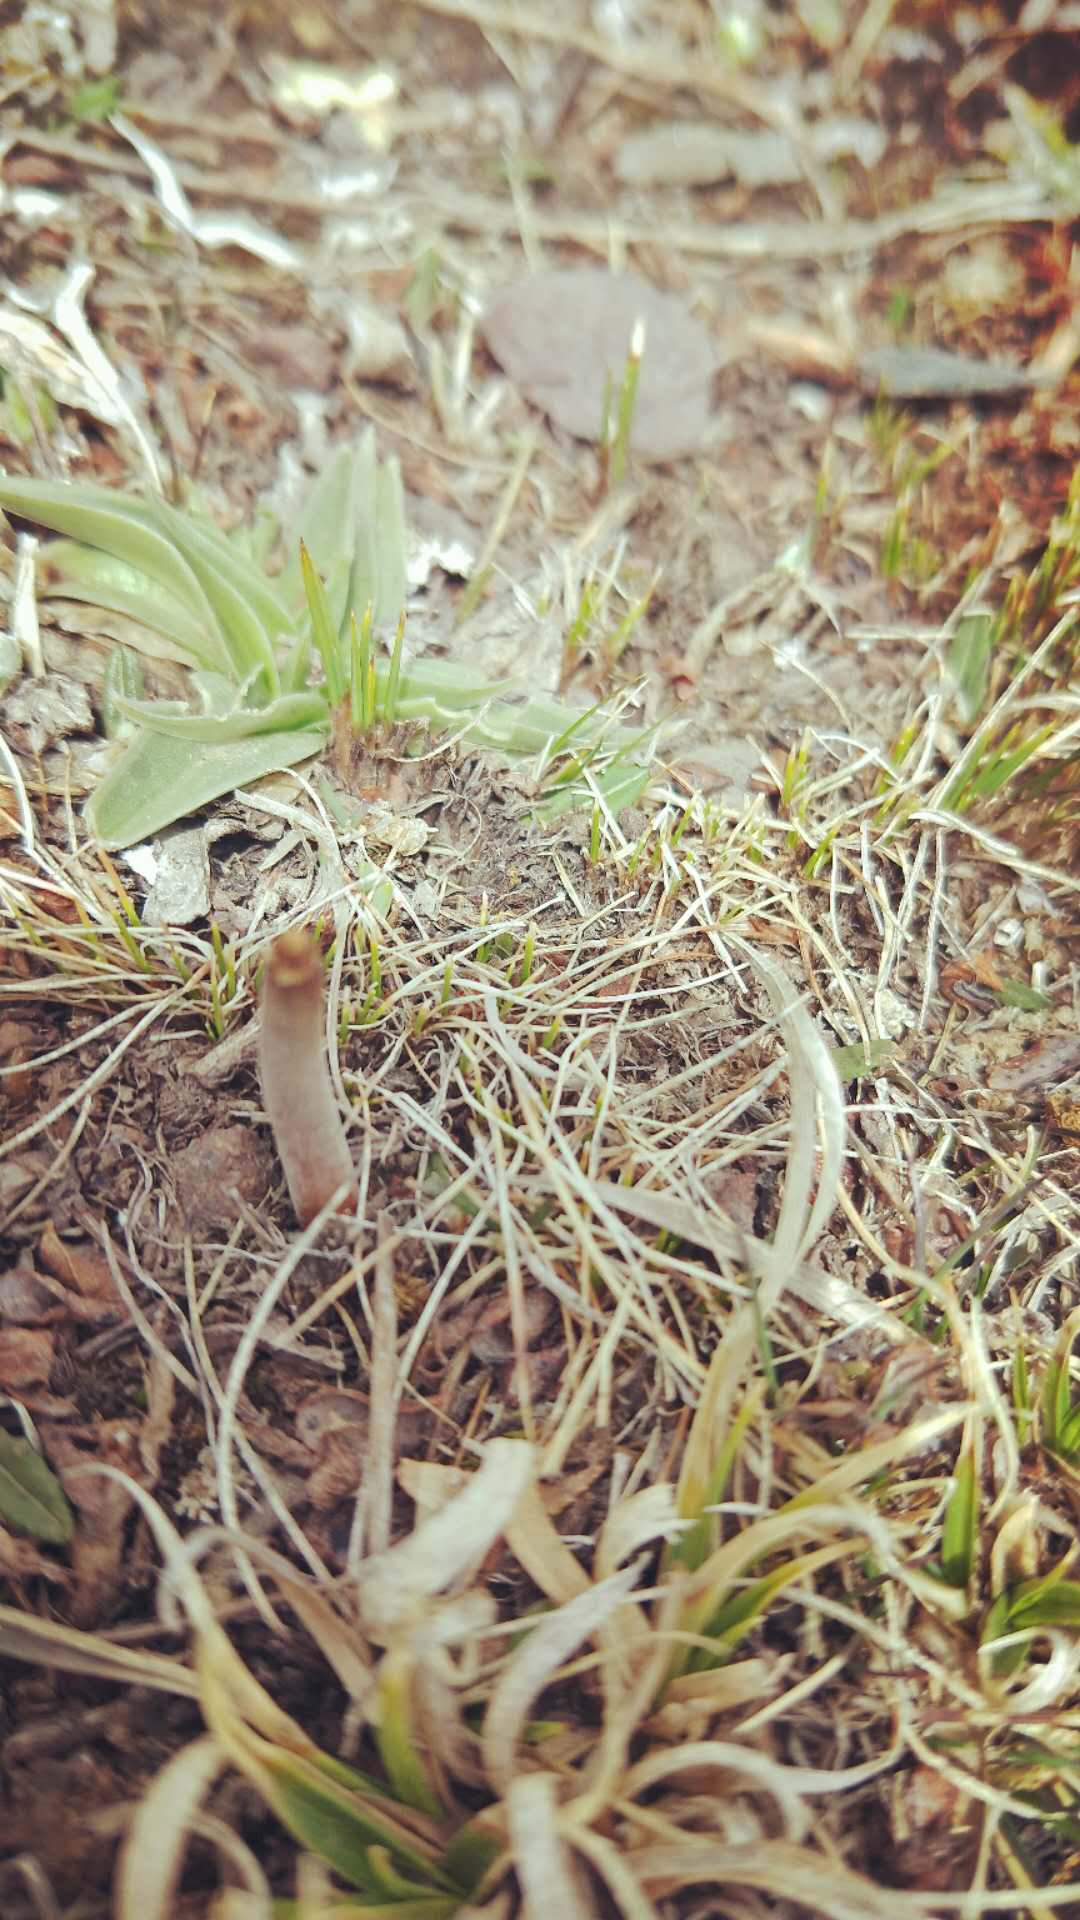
point(152, 1853)
point(533, 1665)
point(815, 1092)
point(444, 1547)
point(550, 1883)
point(22, 1637)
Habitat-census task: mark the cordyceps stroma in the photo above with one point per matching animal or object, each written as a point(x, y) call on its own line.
point(295, 1079)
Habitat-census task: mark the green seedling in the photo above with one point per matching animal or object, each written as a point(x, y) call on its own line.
point(97, 100)
point(616, 642)
point(483, 951)
point(905, 554)
point(519, 974)
point(223, 983)
point(615, 435)
point(721, 1603)
point(362, 673)
point(821, 858)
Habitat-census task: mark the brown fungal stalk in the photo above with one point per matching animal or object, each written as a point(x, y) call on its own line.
point(296, 1089)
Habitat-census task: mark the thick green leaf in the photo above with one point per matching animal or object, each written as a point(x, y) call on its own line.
point(204, 544)
point(200, 542)
point(361, 545)
point(405, 1768)
point(193, 561)
point(341, 1827)
point(159, 780)
point(31, 1497)
point(473, 1849)
point(249, 643)
point(296, 668)
point(77, 572)
point(441, 687)
point(1049, 1601)
point(122, 682)
point(284, 715)
point(342, 495)
point(237, 592)
point(857, 1060)
point(392, 576)
point(353, 525)
point(618, 787)
point(100, 518)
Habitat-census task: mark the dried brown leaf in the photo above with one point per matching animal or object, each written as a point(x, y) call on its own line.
point(26, 1357)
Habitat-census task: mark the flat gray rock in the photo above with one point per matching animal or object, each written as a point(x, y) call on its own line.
point(558, 335)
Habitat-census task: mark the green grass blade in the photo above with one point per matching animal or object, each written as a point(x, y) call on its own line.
point(693, 1548)
point(736, 1613)
point(404, 1768)
point(323, 629)
point(283, 715)
point(434, 1906)
point(960, 1529)
point(1049, 1602)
